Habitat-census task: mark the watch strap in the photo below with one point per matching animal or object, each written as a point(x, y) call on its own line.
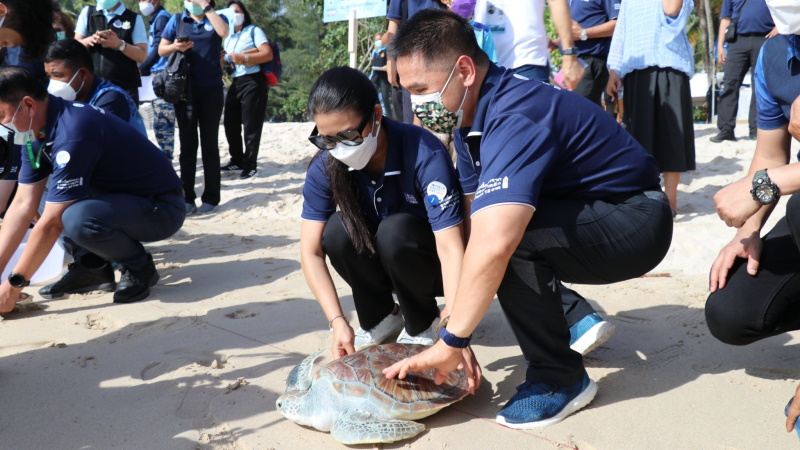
point(452, 340)
point(761, 178)
point(122, 46)
point(208, 8)
point(570, 51)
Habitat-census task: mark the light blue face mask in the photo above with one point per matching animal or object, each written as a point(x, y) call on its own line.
point(107, 4)
point(192, 8)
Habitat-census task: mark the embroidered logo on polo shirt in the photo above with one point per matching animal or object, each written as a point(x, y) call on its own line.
point(69, 183)
point(495, 184)
point(209, 27)
point(126, 25)
point(62, 158)
point(436, 191)
point(117, 23)
point(410, 199)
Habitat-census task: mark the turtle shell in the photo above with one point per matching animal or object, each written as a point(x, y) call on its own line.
point(358, 375)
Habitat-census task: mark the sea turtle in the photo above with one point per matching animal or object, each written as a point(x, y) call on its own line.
point(351, 398)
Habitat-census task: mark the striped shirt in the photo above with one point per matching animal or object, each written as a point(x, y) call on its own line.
point(646, 37)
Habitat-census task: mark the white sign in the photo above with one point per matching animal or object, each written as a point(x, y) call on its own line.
point(339, 10)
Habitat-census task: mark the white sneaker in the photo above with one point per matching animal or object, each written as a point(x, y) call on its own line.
point(427, 337)
point(382, 332)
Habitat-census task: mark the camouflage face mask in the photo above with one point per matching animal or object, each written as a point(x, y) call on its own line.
point(431, 111)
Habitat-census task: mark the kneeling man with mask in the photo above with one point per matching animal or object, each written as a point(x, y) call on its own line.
point(110, 189)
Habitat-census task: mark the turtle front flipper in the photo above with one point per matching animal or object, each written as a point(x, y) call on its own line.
point(356, 426)
point(300, 377)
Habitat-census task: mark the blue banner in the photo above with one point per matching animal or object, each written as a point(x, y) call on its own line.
point(339, 10)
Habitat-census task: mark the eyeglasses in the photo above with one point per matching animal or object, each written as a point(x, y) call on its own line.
point(350, 137)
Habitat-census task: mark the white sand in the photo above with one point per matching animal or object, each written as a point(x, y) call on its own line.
point(232, 303)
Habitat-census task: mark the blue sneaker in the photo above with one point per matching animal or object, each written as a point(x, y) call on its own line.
point(538, 405)
point(589, 333)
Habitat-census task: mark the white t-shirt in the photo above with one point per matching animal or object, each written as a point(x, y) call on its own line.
point(518, 31)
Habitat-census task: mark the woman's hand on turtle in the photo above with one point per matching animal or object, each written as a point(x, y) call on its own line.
point(440, 356)
point(343, 338)
point(470, 364)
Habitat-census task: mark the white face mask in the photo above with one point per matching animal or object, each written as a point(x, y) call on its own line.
point(357, 156)
point(64, 90)
point(146, 8)
point(238, 19)
point(786, 15)
point(20, 137)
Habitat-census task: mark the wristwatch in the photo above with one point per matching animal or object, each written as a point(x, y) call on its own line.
point(570, 51)
point(208, 8)
point(764, 190)
point(452, 340)
point(17, 280)
point(122, 46)
point(584, 35)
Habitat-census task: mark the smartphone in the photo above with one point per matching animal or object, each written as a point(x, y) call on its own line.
point(183, 39)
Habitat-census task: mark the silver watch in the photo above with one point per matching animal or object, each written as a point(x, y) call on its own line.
point(584, 35)
point(122, 46)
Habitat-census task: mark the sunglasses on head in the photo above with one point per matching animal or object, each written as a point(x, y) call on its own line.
point(349, 137)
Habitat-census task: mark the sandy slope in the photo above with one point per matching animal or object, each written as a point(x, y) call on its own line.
point(232, 303)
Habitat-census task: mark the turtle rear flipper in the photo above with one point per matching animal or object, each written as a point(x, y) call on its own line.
point(356, 426)
point(300, 377)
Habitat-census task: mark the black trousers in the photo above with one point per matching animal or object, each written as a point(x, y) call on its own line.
point(595, 78)
point(751, 308)
point(578, 241)
point(742, 56)
point(405, 262)
point(204, 110)
point(245, 107)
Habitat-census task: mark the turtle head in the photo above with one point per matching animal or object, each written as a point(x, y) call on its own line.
point(294, 406)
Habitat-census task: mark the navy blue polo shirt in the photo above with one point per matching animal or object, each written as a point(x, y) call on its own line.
point(204, 56)
point(110, 101)
point(531, 140)
point(777, 80)
point(418, 179)
point(753, 18)
point(590, 13)
point(395, 10)
point(88, 151)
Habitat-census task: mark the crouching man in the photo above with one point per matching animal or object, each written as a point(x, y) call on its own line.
point(110, 189)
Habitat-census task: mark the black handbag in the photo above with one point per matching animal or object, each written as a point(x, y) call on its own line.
point(730, 32)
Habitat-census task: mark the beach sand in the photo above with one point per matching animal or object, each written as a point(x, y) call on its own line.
point(201, 362)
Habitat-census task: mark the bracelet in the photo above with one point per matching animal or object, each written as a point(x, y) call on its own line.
point(330, 322)
point(246, 58)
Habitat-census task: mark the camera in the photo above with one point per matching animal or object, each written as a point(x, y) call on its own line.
point(230, 68)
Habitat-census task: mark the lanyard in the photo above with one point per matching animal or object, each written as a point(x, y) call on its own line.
point(34, 162)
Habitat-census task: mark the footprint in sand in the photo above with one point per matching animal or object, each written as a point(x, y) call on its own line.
point(96, 322)
point(241, 314)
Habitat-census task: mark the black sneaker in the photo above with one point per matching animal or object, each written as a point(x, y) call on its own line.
point(79, 279)
point(723, 136)
point(753, 135)
point(230, 167)
point(248, 173)
point(135, 285)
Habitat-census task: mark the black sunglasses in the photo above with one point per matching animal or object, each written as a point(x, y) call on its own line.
point(349, 137)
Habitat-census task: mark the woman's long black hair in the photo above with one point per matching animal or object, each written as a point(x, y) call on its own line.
point(343, 89)
point(247, 20)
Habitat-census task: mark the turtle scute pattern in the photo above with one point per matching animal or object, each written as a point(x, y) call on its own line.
point(361, 376)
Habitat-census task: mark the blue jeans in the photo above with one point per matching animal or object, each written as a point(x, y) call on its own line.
point(531, 72)
point(113, 226)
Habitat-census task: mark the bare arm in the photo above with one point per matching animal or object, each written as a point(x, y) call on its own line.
point(597, 31)
point(166, 48)
point(573, 72)
point(672, 7)
point(255, 56)
point(318, 278)
point(391, 69)
point(450, 248)
point(220, 25)
point(724, 22)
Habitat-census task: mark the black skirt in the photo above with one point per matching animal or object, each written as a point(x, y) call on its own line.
point(658, 113)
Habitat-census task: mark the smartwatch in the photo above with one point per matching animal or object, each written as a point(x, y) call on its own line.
point(584, 35)
point(208, 8)
point(122, 46)
point(452, 340)
point(764, 190)
point(570, 51)
point(18, 281)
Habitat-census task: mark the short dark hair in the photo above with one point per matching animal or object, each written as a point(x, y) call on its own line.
point(247, 19)
point(17, 82)
point(439, 37)
point(74, 54)
point(33, 19)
